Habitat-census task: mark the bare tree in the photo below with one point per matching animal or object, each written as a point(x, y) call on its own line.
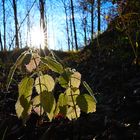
point(99, 15)
point(28, 41)
point(42, 13)
point(1, 42)
point(84, 7)
point(71, 34)
point(16, 23)
point(92, 19)
point(74, 25)
point(43, 23)
point(67, 24)
point(4, 24)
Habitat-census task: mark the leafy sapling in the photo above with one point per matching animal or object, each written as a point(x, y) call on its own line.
point(70, 102)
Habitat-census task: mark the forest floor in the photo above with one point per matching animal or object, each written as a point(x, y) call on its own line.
point(115, 80)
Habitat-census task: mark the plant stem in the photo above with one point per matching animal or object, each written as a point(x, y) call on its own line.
point(39, 81)
point(73, 100)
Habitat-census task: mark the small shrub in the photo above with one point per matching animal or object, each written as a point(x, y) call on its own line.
point(69, 103)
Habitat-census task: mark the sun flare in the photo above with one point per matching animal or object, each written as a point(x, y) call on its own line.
point(37, 38)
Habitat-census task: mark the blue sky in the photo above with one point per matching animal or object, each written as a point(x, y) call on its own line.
point(56, 27)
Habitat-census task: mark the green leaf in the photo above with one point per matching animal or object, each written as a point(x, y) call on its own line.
point(14, 67)
point(90, 91)
point(23, 105)
point(62, 100)
point(72, 94)
point(86, 103)
point(36, 100)
point(23, 108)
point(48, 103)
point(56, 111)
point(34, 62)
point(25, 87)
point(64, 78)
point(44, 82)
point(75, 80)
point(137, 45)
point(52, 64)
point(63, 110)
point(71, 113)
point(37, 105)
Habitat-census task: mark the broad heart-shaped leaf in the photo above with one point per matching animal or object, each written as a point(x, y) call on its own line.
point(34, 62)
point(23, 108)
point(89, 90)
point(62, 102)
point(86, 103)
point(44, 83)
point(64, 78)
point(48, 103)
point(71, 113)
point(52, 64)
point(75, 80)
point(72, 93)
point(25, 87)
point(23, 105)
point(37, 105)
point(36, 100)
point(14, 67)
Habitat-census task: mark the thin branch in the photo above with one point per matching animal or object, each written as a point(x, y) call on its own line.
point(28, 12)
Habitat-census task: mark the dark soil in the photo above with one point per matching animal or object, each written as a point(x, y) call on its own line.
point(115, 80)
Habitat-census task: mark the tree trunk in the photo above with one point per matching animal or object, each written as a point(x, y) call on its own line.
point(4, 24)
point(43, 26)
point(1, 42)
point(92, 19)
point(16, 24)
point(71, 34)
point(85, 29)
point(67, 25)
point(99, 16)
point(74, 26)
point(42, 13)
point(28, 42)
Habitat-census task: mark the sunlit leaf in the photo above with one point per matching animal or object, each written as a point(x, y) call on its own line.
point(37, 105)
point(71, 114)
point(19, 108)
point(62, 100)
point(44, 82)
point(75, 80)
point(72, 95)
point(71, 91)
point(137, 45)
point(23, 105)
point(86, 103)
point(48, 103)
point(25, 87)
point(56, 111)
point(36, 100)
point(64, 78)
point(34, 62)
point(52, 64)
point(90, 91)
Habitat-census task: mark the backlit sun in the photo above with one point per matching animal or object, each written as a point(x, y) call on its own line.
point(37, 38)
